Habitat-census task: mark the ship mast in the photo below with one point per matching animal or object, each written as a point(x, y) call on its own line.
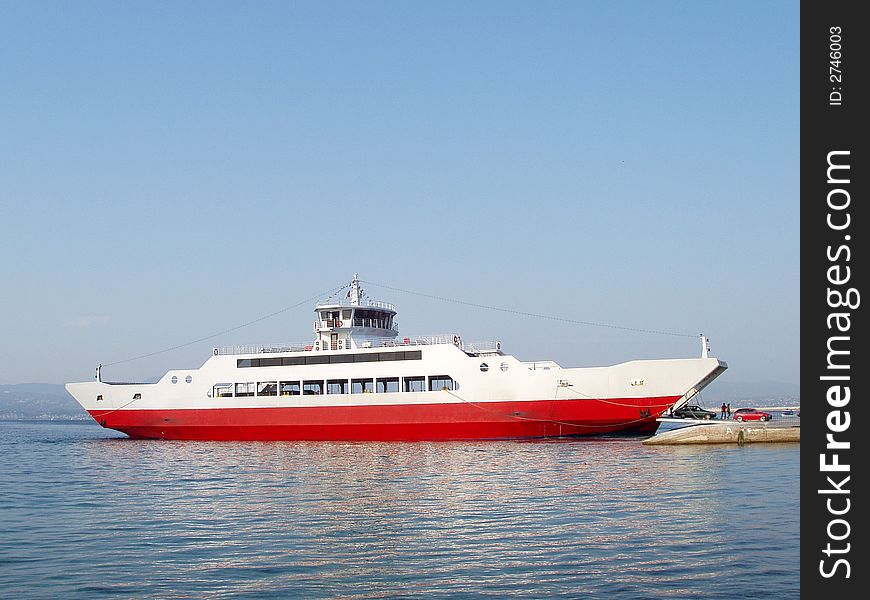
point(355, 291)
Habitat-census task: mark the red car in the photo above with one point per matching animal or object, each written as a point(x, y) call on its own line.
point(751, 414)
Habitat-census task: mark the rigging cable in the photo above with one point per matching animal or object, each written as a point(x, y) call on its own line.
point(529, 314)
point(327, 293)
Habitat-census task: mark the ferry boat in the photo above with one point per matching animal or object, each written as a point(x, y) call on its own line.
point(358, 379)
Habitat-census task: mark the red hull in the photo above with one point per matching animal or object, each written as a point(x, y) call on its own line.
point(406, 422)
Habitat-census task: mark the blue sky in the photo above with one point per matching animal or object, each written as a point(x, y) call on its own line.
point(170, 170)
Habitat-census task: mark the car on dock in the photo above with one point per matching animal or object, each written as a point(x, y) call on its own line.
point(751, 414)
point(694, 412)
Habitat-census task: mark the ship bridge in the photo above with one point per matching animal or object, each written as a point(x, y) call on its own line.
point(354, 321)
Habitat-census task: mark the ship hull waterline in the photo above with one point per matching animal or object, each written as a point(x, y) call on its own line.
point(403, 422)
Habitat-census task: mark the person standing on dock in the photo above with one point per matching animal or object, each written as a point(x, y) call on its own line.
point(728, 410)
point(722, 416)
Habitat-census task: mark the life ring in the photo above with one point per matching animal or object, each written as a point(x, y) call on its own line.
point(338, 323)
point(498, 345)
point(215, 351)
point(456, 340)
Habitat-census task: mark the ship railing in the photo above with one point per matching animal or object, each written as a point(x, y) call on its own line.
point(542, 365)
point(417, 340)
point(379, 304)
point(487, 347)
point(263, 348)
point(364, 304)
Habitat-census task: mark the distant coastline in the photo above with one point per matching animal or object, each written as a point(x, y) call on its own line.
point(38, 401)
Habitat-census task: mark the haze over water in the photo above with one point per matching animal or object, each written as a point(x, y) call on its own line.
point(85, 512)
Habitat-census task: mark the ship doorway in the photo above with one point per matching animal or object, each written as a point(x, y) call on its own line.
point(333, 341)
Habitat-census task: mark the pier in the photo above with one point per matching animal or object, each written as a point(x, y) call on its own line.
point(728, 432)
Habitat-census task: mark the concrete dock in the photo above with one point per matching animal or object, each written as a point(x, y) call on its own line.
point(727, 432)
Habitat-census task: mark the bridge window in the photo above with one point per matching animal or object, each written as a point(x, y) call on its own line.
point(245, 389)
point(336, 386)
point(290, 388)
point(362, 386)
point(267, 388)
point(387, 384)
point(415, 384)
point(440, 382)
point(223, 390)
point(312, 388)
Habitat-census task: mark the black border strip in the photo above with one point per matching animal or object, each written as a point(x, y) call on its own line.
point(834, 229)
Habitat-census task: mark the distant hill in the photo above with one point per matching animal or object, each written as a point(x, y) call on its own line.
point(38, 401)
point(773, 393)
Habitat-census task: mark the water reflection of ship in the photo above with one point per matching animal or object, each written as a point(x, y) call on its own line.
point(358, 380)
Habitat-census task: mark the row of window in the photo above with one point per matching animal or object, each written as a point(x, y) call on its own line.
point(328, 359)
point(317, 387)
point(361, 318)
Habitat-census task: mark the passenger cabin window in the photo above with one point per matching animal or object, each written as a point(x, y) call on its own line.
point(290, 388)
point(336, 386)
point(267, 388)
point(223, 390)
point(325, 359)
point(244, 389)
point(415, 384)
point(440, 382)
point(362, 386)
point(387, 384)
point(312, 388)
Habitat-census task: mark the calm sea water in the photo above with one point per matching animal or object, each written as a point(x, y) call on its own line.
point(85, 512)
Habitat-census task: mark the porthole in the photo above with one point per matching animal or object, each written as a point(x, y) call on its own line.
point(484, 367)
point(174, 379)
point(504, 366)
point(188, 379)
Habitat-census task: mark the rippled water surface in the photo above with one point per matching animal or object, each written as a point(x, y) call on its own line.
point(86, 512)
